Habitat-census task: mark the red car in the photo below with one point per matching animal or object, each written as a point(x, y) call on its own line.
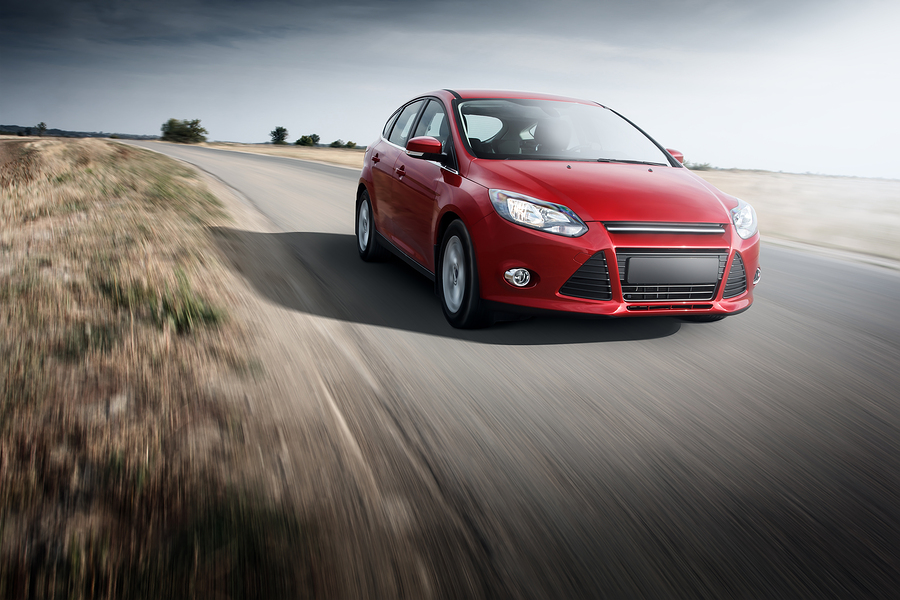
point(515, 202)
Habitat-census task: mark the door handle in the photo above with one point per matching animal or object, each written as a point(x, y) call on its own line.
point(400, 171)
point(375, 159)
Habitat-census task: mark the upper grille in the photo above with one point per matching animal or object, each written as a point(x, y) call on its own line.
point(656, 293)
point(590, 281)
point(646, 227)
point(737, 278)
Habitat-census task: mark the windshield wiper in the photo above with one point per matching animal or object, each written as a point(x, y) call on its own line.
point(630, 162)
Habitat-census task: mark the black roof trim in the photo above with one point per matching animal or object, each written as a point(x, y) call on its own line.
point(455, 95)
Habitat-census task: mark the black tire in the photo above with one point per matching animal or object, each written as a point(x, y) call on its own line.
point(366, 240)
point(703, 318)
point(457, 280)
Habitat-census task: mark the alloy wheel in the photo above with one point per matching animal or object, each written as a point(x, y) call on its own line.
point(453, 273)
point(362, 229)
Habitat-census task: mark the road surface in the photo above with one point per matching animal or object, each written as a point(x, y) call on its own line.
point(754, 457)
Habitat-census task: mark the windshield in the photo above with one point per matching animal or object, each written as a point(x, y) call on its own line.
point(553, 130)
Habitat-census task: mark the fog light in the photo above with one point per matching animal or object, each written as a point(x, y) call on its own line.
point(756, 276)
point(518, 277)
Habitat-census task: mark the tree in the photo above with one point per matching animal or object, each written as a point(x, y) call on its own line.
point(337, 143)
point(41, 128)
point(350, 145)
point(315, 138)
point(279, 134)
point(183, 132)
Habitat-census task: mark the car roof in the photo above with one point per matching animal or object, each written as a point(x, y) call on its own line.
point(472, 94)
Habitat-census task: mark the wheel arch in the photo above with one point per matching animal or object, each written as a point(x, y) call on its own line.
point(362, 187)
point(448, 217)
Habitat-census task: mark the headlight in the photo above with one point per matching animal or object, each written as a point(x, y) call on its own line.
point(744, 218)
point(537, 214)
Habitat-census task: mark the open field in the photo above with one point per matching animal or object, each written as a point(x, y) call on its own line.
point(846, 213)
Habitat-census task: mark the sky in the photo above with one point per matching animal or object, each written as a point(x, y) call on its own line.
point(803, 86)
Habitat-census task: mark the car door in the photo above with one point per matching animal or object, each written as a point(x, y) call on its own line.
point(416, 188)
point(384, 159)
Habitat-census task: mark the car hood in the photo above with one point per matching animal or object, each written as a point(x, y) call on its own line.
point(608, 191)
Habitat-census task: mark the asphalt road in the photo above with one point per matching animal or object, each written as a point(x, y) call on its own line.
point(756, 457)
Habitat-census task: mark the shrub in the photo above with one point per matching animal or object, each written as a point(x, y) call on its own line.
point(350, 145)
point(337, 144)
point(183, 132)
point(308, 140)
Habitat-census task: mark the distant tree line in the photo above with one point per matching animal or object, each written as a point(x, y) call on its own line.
point(279, 136)
point(42, 129)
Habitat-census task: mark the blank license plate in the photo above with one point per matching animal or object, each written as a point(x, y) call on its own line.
point(672, 269)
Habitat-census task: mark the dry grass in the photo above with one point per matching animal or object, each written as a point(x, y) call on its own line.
point(111, 477)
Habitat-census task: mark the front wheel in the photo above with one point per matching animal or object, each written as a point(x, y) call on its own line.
point(457, 280)
point(366, 241)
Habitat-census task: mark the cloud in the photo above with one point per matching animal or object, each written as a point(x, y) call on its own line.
point(778, 85)
point(187, 22)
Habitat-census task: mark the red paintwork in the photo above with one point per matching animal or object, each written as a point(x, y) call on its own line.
point(607, 191)
point(676, 155)
point(411, 197)
point(424, 144)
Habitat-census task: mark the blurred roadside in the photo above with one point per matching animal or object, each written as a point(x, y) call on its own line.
point(851, 214)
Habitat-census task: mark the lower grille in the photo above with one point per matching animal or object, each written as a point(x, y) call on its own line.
point(737, 278)
point(663, 292)
point(590, 281)
point(670, 307)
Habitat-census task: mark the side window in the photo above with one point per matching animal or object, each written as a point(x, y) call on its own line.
point(434, 122)
point(403, 126)
point(390, 122)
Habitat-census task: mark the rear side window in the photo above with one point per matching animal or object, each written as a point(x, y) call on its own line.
point(390, 123)
point(404, 124)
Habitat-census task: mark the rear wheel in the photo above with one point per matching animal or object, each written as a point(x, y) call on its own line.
point(366, 240)
point(457, 280)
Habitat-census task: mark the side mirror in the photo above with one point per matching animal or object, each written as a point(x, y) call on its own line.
point(676, 155)
point(426, 148)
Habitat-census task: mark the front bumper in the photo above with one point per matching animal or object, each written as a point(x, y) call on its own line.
point(553, 260)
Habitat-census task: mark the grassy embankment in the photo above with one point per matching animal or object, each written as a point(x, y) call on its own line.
point(110, 345)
